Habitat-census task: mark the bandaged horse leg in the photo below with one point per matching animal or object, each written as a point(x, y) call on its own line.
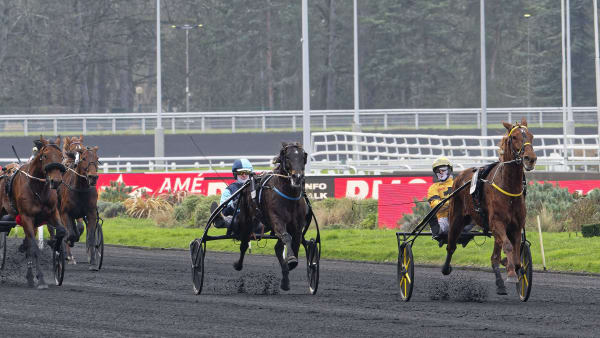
point(91, 222)
point(453, 235)
point(285, 270)
point(290, 257)
point(295, 246)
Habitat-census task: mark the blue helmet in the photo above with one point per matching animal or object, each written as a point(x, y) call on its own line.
point(241, 165)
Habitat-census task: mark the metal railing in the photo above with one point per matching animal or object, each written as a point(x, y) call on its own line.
point(376, 152)
point(382, 119)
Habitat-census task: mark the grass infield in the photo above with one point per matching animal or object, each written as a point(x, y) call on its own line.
point(564, 251)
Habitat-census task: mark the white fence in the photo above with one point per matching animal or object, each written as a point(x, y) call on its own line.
point(375, 152)
point(358, 153)
point(268, 120)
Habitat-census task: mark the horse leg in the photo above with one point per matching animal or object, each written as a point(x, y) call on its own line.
point(91, 221)
point(456, 227)
point(32, 254)
point(295, 247)
point(71, 238)
point(516, 242)
point(290, 257)
point(285, 270)
point(500, 288)
point(507, 247)
point(243, 247)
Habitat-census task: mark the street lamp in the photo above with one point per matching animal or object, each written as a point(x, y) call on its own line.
point(527, 16)
point(187, 29)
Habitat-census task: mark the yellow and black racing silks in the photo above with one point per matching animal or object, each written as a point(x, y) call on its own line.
point(437, 192)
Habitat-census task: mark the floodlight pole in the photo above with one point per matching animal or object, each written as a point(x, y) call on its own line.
point(159, 133)
point(483, 75)
point(305, 86)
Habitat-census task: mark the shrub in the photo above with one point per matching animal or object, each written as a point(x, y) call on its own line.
point(147, 206)
point(409, 222)
point(116, 192)
point(555, 200)
point(590, 230)
point(202, 211)
point(109, 209)
point(183, 212)
point(346, 213)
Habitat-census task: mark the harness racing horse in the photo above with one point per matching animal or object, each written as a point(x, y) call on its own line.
point(78, 196)
point(31, 194)
point(502, 209)
point(280, 206)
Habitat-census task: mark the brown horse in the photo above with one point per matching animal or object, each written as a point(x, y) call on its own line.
point(503, 202)
point(78, 196)
point(31, 194)
point(279, 204)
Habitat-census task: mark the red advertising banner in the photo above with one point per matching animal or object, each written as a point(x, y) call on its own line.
point(395, 193)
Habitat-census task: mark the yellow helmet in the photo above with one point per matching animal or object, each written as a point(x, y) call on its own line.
point(441, 161)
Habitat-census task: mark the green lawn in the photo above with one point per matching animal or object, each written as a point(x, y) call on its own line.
point(564, 251)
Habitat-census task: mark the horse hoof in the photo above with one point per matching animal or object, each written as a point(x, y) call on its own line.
point(446, 270)
point(512, 279)
point(285, 285)
point(42, 286)
point(94, 268)
point(71, 260)
point(501, 291)
point(30, 283)
point(237, 266)
point(292, 263)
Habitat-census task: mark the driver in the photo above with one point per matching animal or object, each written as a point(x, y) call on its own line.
point(241, 170)
point(440, 189)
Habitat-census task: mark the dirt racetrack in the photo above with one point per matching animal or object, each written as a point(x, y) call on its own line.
point(148, 293)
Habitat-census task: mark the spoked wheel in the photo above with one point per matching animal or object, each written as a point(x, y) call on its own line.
point(525, 273)
point(2, 250)
point(59, 261)
point(98, 248)
point(406, 271)
point(197, 249)
point(313, 255)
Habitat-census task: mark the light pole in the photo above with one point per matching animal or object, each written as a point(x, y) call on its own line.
point(187, 29)
point(527, 16)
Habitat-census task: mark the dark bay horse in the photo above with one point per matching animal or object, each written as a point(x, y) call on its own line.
point(279, 204)
point(31, 194)
point(78, 196)
point(503, 202)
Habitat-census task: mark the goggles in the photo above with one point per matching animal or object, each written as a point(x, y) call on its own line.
point(443, 169)
point(243, 172)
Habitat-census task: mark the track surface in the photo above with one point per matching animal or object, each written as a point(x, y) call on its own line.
point(148, 293)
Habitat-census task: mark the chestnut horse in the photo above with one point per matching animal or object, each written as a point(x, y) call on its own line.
point(78, 196)
point(503, 202)
point(279, 204)
point(31, 193)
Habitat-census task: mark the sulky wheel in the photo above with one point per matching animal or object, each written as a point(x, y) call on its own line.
point(2, 250)
point(98, 248)
point(406, 271)
point(525, 273)
point(59, 261)
point(197, 249)
point(313, 255)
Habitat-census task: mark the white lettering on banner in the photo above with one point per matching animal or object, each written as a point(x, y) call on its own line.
point(375, 194)
point(215, 188)
point(417, 181)
point(166, 186)
point(357, 189)
point(396, 181)
point(185, 185)
point(317, 196)
point(196, 185)
point(314, 186)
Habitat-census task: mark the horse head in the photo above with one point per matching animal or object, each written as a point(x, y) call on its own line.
point(72, 148)
point(292, 159)
point(48, 161)
point(87, 164)
point(517, 145)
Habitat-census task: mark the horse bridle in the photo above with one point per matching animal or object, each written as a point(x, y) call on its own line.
point(76, 165)
point(517, 159)
point(517, 155)
point(282, 158)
